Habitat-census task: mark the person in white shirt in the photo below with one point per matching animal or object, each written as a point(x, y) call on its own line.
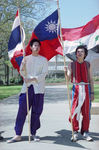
point(36, 67)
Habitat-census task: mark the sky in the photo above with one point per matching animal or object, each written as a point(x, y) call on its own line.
point(76, 13)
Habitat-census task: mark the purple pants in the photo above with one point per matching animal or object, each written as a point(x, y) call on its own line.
point(36, 105)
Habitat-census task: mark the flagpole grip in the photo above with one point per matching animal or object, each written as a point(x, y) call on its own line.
point(65, 72)
point(25, 74)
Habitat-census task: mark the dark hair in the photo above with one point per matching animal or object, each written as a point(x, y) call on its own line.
point(82, 47)
point(35, 40)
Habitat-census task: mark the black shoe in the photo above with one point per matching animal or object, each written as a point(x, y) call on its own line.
point(1, 138)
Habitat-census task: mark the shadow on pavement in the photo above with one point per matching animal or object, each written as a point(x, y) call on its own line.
point(64, 136)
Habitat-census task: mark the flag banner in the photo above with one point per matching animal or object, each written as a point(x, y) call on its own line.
point(86, 35)
point(15, 48)
point(47, 32)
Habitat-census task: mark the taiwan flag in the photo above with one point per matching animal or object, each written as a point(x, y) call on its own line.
point(85, 35)
point(47, 32)
point(15, 47)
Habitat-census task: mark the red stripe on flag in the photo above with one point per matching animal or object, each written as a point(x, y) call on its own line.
point(17, 13)
point(72, 34)
point(49, 48)
point(13, 61)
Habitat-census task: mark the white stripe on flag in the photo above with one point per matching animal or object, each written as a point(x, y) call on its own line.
point(17, 48)
point(16, 23)
point(89, 40)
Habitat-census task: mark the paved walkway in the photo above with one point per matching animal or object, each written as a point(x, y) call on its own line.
point(55, 131)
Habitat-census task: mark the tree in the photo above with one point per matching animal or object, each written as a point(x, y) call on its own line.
point(30, 11)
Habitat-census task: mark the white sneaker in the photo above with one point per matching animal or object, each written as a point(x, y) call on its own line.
point(35, 138)
point(87, 137)
point(75, 137)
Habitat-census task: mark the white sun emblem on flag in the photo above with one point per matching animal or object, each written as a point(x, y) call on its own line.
point(51, 27)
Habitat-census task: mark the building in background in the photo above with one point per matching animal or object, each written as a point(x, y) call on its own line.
point(56, 65)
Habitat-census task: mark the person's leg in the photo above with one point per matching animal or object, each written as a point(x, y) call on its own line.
point(75, 124)
point(85, 125)
point(86, 116)
point(21, 116)
point(22, 112)
point(37, 108)
point(74, 104)
point(86, 112)
point(85, 120)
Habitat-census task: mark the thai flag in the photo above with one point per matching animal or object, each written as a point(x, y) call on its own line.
point(15, 48)
point(47, 32)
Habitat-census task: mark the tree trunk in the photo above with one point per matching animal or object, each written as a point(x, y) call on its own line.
point(7, 75)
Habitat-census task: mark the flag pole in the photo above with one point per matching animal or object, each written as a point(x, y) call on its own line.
point(25, 75)
point(65, 72)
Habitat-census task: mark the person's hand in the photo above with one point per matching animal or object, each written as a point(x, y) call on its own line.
point(92, 97)
point(22, 67)
point(24, 61)
point(27, 80)
point(65, 69)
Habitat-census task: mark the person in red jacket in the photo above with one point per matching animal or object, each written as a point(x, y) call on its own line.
point(80, 73)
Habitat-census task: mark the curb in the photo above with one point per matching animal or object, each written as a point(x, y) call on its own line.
point(95, 109)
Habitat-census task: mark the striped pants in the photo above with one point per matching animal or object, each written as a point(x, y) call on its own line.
point(80, 104)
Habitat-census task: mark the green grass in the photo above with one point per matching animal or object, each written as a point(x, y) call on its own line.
point(96, 90)
point(6, 91)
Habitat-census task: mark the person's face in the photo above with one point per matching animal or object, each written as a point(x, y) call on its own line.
point(80, 54)
point(35, 47)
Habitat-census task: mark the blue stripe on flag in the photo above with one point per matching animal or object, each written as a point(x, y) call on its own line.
point(18, 60)
point(15, 38)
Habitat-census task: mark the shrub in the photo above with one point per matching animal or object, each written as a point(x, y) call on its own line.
point(12, 80)
point(16, 80)
point(54, 80)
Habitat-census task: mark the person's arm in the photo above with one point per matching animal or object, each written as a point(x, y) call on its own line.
point(91, 83)
point(44, 72)
point(68, 71)
point(41, 76)
point(27, 80)
point(22, 72)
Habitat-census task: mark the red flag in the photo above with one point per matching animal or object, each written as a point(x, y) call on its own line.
point(47, 32)
point(86, 35)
